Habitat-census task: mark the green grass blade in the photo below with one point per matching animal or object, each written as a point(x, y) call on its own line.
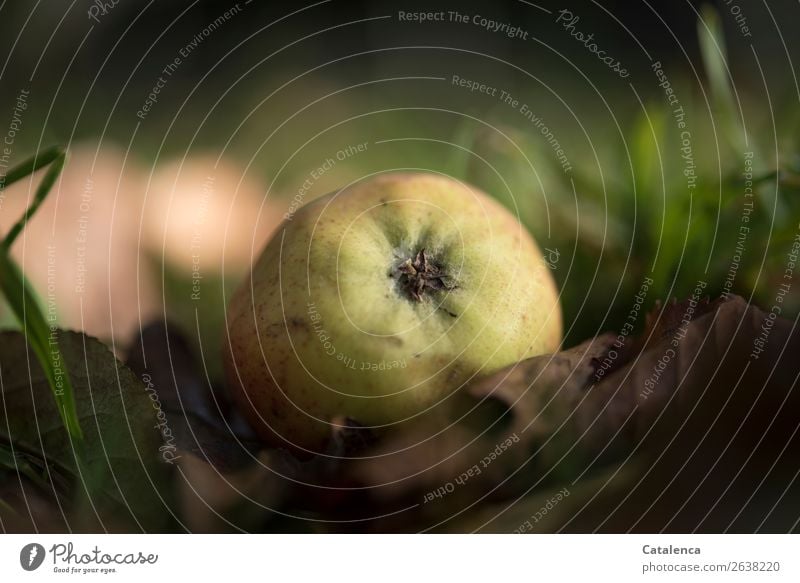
point(42, 191)
point(715, 61)
point(45, 346)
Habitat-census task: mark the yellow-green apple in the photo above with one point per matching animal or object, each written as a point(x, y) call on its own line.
point(378, 301)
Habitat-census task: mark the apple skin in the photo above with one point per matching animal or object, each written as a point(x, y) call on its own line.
point(378, 301)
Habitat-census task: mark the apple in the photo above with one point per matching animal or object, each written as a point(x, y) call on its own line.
point(378, 301)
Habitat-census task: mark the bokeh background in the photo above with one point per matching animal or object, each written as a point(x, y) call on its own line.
point(193, 126)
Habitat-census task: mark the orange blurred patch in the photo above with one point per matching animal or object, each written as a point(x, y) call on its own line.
point(80, 250)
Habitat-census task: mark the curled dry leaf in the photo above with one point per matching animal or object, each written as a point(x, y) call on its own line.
point(506, 406)
point(541, 392)
point(662, 321)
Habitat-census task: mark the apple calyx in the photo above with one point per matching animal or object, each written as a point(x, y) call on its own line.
point(420, 275)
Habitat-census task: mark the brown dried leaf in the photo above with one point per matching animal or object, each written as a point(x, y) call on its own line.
point(200, 421)
point(224, 480)
point(535, 389)
point(475, 446)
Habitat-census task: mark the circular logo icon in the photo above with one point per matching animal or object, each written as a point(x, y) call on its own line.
point(31, 556)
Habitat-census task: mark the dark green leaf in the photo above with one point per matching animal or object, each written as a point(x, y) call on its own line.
point(121, 477)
